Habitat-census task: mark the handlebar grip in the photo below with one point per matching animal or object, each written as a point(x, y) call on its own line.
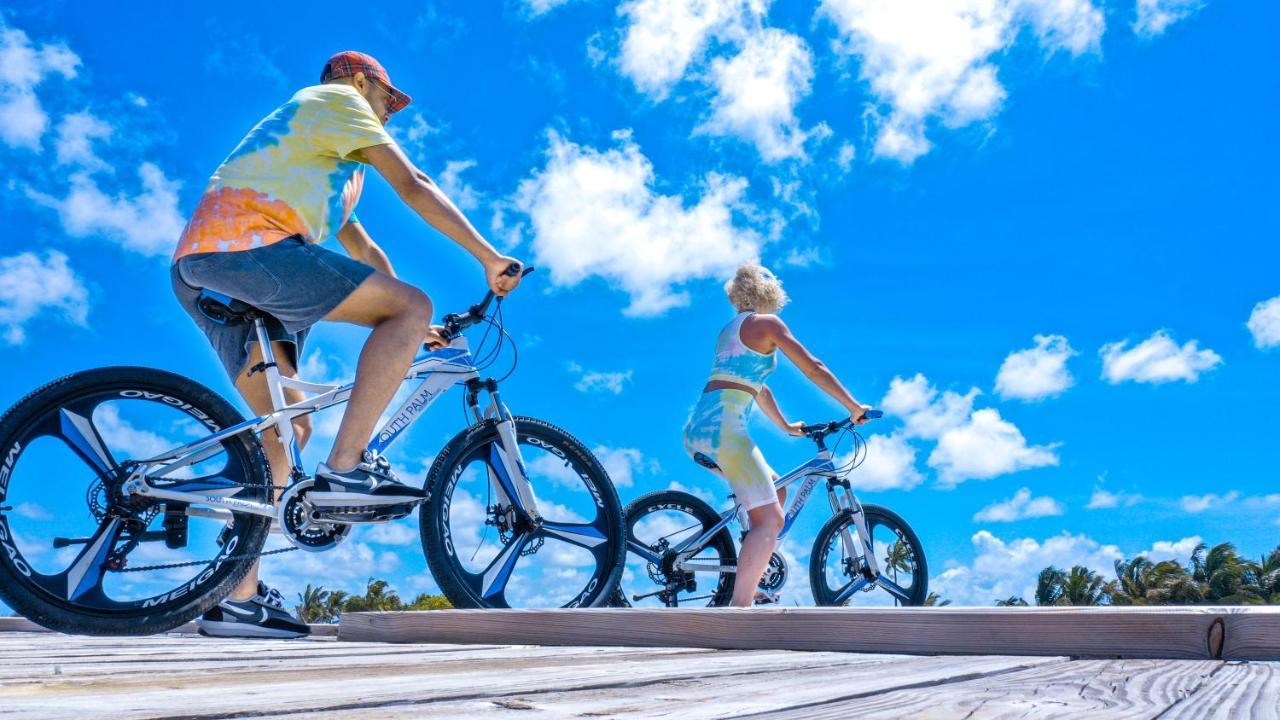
point(873, 414)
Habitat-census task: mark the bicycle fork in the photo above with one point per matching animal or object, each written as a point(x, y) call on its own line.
point(508, 477)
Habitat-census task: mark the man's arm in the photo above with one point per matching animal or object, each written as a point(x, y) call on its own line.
point(362, 247)
point(425, 197)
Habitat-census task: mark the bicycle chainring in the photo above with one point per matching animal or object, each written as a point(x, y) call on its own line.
point(298, 521)
point(775, 576)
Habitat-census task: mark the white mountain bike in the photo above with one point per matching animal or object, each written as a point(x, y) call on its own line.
point(133, 499)
point(681, 551)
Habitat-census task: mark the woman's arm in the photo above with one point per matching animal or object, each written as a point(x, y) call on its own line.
point(362, 247)
point(769, 404)
point(780, 336)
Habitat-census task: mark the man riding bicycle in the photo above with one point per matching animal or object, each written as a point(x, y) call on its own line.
point(290, 184)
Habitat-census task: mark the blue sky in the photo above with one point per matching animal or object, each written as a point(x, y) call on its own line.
point(1041, 235)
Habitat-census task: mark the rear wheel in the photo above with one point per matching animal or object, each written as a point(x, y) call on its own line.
point(657, 523)
point(837, 564)
point(484, 555)
point(78, 556)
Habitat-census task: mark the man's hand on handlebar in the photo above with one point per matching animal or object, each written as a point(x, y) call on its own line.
point(499, 276)
point(435, 338)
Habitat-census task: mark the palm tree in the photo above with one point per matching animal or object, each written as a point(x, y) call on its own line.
point(1049, 586)
point(935, 600)
point(312, 604)
point(1269, 577)
point(1133, 582)
point(334, 605)
point(1224, 575)
point(1082, 586)
point(1011, 601)
point(377, 597)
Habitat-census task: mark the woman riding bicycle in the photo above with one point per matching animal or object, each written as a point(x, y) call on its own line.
point(716, 433)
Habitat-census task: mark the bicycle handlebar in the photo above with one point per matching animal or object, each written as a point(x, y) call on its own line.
point(820, 430)
point(455, 323)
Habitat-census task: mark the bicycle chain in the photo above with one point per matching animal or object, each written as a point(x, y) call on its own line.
point(191, 563)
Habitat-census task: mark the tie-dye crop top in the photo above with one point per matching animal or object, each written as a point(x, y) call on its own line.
point(737, 363)
point(298, 172)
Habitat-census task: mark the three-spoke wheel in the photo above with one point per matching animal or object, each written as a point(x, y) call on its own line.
point(840, 574)
point(108, 563)
point(485, 553)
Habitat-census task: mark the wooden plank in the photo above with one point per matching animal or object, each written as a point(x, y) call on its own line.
point(1083, 632)
point(1084, 688)
point(336, 689)
point(1252, 634)
point(1238, 690)
point(719, 696)
point(21, 624)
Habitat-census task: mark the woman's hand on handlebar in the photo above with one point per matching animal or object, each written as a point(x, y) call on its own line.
point(794, 428)
point(859, 414)
point(497, 273)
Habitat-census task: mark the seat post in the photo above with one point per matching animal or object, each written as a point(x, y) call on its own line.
point(269, 360)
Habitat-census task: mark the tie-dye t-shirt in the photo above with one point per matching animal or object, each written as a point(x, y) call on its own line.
point(299, 172)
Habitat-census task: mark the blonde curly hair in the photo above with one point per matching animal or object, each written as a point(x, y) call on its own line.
point(757, 289)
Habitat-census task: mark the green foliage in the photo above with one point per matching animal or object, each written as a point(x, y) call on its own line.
point(1212, 576)
point(317, 605)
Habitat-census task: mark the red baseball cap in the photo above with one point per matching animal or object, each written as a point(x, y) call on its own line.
point(349, 62)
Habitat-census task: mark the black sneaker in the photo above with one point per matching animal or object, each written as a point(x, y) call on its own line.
point(261, 616)
point(371, 483)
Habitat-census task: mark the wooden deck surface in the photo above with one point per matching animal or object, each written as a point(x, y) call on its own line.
point(45, 675)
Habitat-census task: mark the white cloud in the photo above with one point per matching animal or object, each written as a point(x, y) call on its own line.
point(32, 511)
point(1179, 550)
point(757, 91)
point(1209, 501)
point(461, 193)
point(30, 285)
point(1036, 373)
point(76, 134)
point(590, 381)
point(986, 446)
point(890, 464)
point(595, 213)
point(148, 222)
point(1001, 569)
point(926, 414)
point(664, 38)
point(1158, 359)
point(393, 533)
point(927, 60)
point(1020, 507)
point(537, 8)
point(804, 258)
point(23, 66)
point(1105, 500)
point(1264, 324)
point(624, 464)
point(846, 155)
point(1155, 16)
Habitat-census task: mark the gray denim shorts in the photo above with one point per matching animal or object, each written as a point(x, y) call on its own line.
point(294, 282)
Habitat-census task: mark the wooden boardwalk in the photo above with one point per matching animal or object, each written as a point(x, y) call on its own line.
point(49, 676)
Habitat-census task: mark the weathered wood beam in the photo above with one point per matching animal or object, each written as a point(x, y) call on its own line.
point(1101, 632)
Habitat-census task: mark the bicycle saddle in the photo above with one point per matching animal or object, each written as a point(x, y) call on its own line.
point(224, 309)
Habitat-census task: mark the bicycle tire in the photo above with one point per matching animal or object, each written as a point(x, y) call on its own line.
point(174, 607)
point(876, 516)
point(459, 585)
point(696, 508)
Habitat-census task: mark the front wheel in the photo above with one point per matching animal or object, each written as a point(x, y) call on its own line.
point(484, 555)
point(837, 565)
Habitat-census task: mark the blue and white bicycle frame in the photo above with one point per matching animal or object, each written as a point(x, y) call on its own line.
point(841, 498)
point(439, 370)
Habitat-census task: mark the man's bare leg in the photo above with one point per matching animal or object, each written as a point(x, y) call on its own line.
point(254, 391)
point(400, 316)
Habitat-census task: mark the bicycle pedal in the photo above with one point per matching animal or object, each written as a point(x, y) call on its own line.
point(362, 514)
point(767, 598)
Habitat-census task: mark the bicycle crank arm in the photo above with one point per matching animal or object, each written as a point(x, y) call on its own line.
point(139, 487)
point(703, 567)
